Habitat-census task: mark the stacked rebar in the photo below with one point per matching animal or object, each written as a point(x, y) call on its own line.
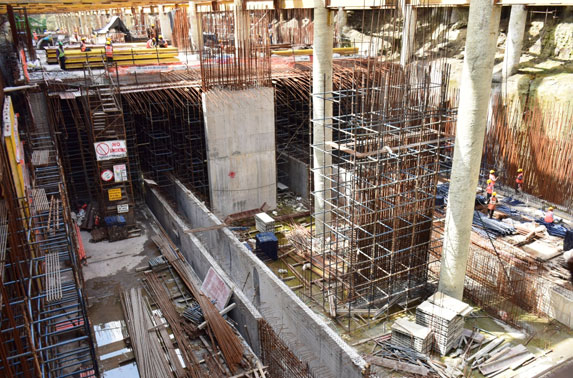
point(151, 361)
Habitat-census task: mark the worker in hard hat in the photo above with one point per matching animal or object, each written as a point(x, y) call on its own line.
point(161, 42)
point(492, 176)
point(83, 45)
point(61, 55)
point(489, 189)
point(109, 51)
point(150, 43)
point(151, 32)
point(519, 181)
point(491, 204)
point(549, 215)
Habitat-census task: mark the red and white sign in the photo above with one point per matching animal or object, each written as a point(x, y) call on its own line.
point(112, 149)
point(120, 173)
point(214, 287)
point(106, 175)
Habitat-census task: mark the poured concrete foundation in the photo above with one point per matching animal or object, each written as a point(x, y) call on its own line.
point(240, 137)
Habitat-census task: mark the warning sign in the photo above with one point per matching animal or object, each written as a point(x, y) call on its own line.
point(107, 175)
point(112, 149)
point(122, 208)
point(216, 289)
point(114, 194)
point(120, 173)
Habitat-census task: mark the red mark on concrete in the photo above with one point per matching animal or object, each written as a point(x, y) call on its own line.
point(232, 174)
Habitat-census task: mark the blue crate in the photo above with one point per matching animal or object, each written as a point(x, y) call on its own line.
point(268, 243)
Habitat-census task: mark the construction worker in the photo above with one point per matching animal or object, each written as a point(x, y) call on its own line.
point(83, 46)
point(150, 43)
point(492, 176)
point(549, 215)
point(109, 52)
point(161, 42)
point(61, 55)
point(519, 181)
point(151, 32)
point(489, 189)
point(491, 204)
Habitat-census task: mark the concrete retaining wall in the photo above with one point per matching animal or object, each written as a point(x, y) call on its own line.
point(305, 333)
point(245, 314)
point(240, 137)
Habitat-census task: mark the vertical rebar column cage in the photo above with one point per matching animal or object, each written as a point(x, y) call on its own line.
point(223, 64)
point(379, 214)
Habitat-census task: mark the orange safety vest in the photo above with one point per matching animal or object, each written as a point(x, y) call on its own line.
point(83, 47)
point(549, 217)
point(492, 202)
point(489, 188)
point(109, 51)
point(519, 179)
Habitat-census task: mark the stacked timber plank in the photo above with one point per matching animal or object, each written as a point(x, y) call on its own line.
point(411, 335)
point(138, 56)
point(51, 55)
point(444, 315)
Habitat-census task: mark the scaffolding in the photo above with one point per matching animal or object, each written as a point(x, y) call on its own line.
point(45, 329)
point(106, 127)
point(374, 240)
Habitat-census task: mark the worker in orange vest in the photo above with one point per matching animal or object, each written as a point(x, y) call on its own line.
point(161, 42)
point(83, 46)
point(109, 52)
point(492, 176)
point(519, 181)
point(491, 204)
point(489, 189)
point(549, 215)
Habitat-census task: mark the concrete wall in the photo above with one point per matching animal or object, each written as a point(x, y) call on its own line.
point(240, 137)
point(297, 176)
point(306, 334)
point(561, 306)
point(245, 314)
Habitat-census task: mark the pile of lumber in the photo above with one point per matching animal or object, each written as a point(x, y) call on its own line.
point(124, 56)
point(51, 55)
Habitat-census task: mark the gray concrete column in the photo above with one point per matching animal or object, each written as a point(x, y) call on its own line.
point(195, 27)
point(408, 34)
point(514, 41)
point(242, 24)
point(165, 22)
point(322, 110)
point(475, 91)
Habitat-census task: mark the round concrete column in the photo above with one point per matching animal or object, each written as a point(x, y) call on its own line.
point(322, 110)
point(195, 27)
point(475, 91)
point(514, 41)
point(408, 33)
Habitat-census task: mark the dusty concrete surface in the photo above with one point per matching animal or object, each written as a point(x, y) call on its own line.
point(111, 269)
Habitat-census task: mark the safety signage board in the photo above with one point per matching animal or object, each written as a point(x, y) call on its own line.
point(106, 175)
point(111, 149)
point(216, 289)
point(114, 194)
point(120, 173)
point(122, 208)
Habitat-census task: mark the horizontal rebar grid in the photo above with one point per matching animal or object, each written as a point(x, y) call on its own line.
point(381, 172)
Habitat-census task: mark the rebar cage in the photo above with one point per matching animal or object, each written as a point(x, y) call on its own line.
point(380, 170)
